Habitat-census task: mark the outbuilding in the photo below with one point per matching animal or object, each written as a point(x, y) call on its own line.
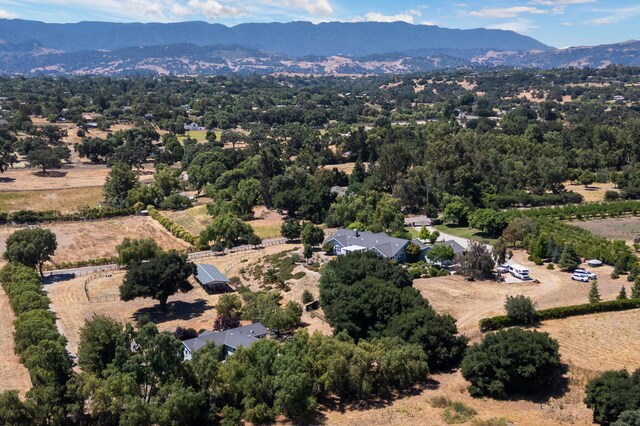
point(211, 278)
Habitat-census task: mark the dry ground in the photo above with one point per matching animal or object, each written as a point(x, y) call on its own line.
point(64, 200)
point(346, 167)
point(594, 193)
point(194, 309)
point(622, 228)
point(97, 239)
point(13, 374)
point(469, 302)
point(30, 180)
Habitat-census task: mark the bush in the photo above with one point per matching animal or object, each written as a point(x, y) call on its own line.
point(520, 310)
point(510, 362)
point(175, 202)
point(32, 327)
point(307, 297)
point(611, 394)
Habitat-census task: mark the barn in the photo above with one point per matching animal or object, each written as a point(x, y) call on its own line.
point(211, 278)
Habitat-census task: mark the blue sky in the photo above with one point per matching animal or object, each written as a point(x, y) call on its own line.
point(558, 23)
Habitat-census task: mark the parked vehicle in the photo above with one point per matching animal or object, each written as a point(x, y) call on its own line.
point(519, 271)
point(503, 269)
point(580, 277)
point(583, 271)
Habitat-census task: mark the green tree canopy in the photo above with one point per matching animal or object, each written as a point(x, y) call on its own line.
point(31, 247)
point(120, 180)
point(133, 252)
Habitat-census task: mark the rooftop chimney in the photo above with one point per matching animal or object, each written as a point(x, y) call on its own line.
point(357, 232)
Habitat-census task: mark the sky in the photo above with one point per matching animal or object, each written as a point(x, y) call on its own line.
point(559, 23)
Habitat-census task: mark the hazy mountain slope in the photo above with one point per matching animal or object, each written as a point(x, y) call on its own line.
point(293, 39)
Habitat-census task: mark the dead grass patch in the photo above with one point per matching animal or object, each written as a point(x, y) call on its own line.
point(593, 193)
point(64, 200)
point(619, 228)
point(13, 373)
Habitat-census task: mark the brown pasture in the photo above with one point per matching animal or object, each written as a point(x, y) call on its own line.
point(14, 375)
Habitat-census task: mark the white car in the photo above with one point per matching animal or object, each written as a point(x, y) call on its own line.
point(503, 269)
point(583, 271)
point(580, 277)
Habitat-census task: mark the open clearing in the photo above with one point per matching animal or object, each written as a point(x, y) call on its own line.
point(266, 223)
point(98, 239)
point(345, 167)
point(13, 374)
point(31, 180)
point(620, 228)
point(593, 193)
point(194, 309)
point(63, 200)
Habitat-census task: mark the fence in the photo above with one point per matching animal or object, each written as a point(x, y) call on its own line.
point(83, 271)
point(106, 298)
point(240, 249)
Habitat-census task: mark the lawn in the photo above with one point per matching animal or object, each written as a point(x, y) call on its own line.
point(464, 232)
point(199, 135)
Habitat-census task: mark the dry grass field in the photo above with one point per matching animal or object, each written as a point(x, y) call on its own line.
point(346, 167)
point(75, 177)
point(97, 239)
point(621, 228)
point(13, 375)
point(594, 193)
point(64, 200)
point(266, 223)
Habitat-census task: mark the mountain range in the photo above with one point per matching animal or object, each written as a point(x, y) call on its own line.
point(189, 48)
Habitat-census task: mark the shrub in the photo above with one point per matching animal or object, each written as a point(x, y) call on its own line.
point(34, 326)
point(611, 394)
point(511, 361)
point(520, 309)
point(175, 202)
point(458, 413)
point(307, 297)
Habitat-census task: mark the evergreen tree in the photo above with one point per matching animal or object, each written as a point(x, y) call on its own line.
point(594, 294)
point(635, 290)
point(623, 294)
point(569, 259)
point(424, 233)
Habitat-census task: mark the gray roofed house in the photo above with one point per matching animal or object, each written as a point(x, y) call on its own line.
point(346, 241)
point(230, 340)
point(340, 191)
point(209, 276)
point(457, 247)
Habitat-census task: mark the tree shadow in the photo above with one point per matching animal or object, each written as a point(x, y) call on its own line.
point(556, 389)
point(379, 401)
point(6, 180)
point(56, 278)
point(176, 310)
point(51, 173)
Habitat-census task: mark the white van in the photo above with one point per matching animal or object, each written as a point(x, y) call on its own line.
point(519, 271)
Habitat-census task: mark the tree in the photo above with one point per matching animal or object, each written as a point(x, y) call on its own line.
point(517, 230)
point(226, 229)
point(424, 233)
point(159, 278)
point(476, 262)
point(229, 305)
point(511, 361)
point(569, 259)
point(120, 180)
point(500, 251)
point(98, 341)
point(441, 253)
point(433, 237)
point(623, 294)
point(134, 252)
point(413, 252)
point(307, 297)
point(283, 320)
point(456, 212)
point(31, 247)
point(628, 418)
point(14, 412)
point(291, 229)
point(587, 178)
point(635, 289)
point(594, 293)
point(311, 235)
point(612, 393)
point(307, 252)
point(48, 158)
point(520, 309)
point(489, 221)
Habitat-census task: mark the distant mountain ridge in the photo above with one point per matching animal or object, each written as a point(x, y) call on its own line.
point(34, 48)
point(292, 39)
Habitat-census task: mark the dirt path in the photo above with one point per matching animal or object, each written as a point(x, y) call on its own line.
point(13, 375)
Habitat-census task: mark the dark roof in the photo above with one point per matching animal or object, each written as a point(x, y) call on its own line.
point(386, 245)
point(234, 338)
point(209, 274)
point(457, 248)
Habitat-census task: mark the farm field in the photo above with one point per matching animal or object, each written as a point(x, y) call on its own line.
point(64, 200)
point(75, 177)
point(194, 309)
point(622, 228)
point(97, 239)
point(14, 375)
point(196, 219)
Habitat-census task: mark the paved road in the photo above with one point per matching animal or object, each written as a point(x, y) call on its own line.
point(60, 274)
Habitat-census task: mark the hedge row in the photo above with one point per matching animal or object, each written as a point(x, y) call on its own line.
point(583, 211)
point(502, 321)
point(93, 213)
point(174, 228)
point(525, 199)
point(36, 338)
